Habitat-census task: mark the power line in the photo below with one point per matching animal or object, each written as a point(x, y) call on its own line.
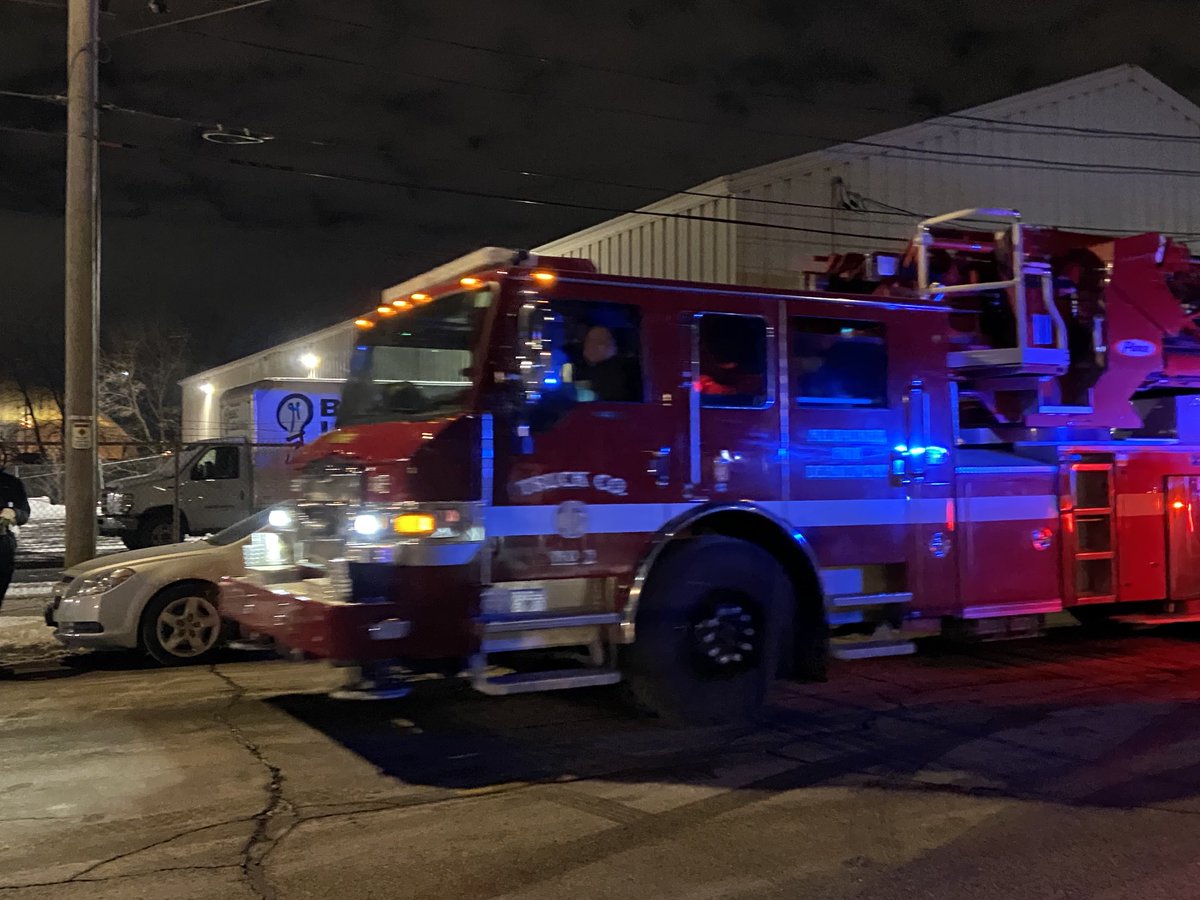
point(174, 23)
point(113, 107)
point(562, 61)
point(1008, 126)
point(741, 198)
point(509, 198)
point(532, 201)
point(828, 143)
point(1014, 126)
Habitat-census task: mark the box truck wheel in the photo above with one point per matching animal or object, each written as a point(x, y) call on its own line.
point(710, 623)
point(155, 528)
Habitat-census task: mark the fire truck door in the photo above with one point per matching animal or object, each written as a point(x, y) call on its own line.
point(734, 448)
point(603, 464)
point(1183, 535)
point(867, 428)
point(924, 467)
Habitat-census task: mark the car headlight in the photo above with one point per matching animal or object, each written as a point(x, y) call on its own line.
point(99, 584)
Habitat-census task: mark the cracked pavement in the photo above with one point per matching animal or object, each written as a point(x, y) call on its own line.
point(1061, 768)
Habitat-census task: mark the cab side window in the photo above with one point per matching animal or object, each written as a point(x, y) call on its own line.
point(839, 362)
point(216, 463)
point(733, 361)
point(597, 352)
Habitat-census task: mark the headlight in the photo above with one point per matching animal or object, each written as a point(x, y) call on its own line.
point(370, 524)
point(98, 584)
point(443, 523)
point(117, 503)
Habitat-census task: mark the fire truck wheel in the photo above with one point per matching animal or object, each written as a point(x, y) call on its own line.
point(710, 624)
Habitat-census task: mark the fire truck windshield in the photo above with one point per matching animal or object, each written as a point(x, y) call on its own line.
point(417, 364)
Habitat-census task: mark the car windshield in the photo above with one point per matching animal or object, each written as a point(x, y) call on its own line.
point(239, 530)
point(416, 364)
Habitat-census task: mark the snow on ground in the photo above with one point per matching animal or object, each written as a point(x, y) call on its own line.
point(24, 635)
point(44, 536)
point(25, 639)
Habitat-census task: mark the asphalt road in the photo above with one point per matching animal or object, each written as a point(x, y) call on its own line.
point(1067, 767)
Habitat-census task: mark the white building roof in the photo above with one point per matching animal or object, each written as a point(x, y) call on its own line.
point(1069, 154)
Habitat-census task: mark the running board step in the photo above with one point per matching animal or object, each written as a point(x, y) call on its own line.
point(844, 601)
point(845, 648)
point(509, 624)
point(1157, 618)
point(558, 680)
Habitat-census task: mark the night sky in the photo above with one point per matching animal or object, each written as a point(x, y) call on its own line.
point(391, 98)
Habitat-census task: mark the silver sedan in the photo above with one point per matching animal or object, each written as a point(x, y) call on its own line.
point(160, 599)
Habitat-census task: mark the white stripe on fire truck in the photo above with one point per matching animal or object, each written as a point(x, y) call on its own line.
point(634, 518)
point(1139, 504)
point(1007, 509)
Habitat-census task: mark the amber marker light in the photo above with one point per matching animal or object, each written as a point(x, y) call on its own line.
point(470, 281)
point(545, 278)
point(414, 523)
point(364, 323)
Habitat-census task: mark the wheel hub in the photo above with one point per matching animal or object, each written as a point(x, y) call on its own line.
point(188, 627)
point(726, 638)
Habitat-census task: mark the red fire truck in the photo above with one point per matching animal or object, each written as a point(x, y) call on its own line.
point(549, 477)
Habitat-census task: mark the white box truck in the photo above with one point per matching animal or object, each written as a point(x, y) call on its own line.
point(223, 480)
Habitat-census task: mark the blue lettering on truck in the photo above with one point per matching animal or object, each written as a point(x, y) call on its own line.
point(286, 415)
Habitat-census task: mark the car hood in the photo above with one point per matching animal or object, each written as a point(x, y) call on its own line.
point(132, 558)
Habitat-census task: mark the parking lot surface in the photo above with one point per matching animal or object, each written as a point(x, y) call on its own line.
point(1063, 767)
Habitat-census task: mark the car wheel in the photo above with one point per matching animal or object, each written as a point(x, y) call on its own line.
point(181, 625)
point(711, 625)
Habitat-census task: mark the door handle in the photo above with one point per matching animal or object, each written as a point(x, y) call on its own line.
point(660, 466)
point(722, 464)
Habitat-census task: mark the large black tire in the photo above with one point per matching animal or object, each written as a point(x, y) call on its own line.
point(155, 529)
point(713, 622)
point(181, 624)
point(131, 541)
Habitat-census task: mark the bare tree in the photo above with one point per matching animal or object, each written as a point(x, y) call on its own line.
point(31, 372)
point(138, 386)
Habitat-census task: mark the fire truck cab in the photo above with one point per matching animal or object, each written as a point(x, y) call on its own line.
point(697, 488)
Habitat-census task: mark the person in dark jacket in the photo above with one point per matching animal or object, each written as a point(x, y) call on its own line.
point(609, 376)
point(14, 511)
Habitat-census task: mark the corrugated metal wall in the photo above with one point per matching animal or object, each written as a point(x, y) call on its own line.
point(950, 164)
point(934, 167)
point(690, 249)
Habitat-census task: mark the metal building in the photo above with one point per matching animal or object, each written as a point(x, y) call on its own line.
point(1116, 151)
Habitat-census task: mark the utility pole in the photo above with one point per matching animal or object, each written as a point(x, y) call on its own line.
point(82, 280)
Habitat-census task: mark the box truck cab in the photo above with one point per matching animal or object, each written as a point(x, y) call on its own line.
point(221, 481)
